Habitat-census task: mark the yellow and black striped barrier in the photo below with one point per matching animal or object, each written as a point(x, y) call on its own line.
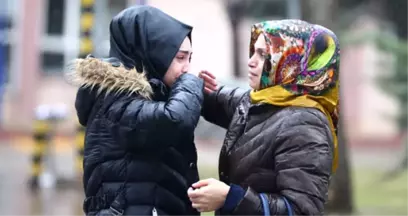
point(80, 141)
point(87, 22)
point(86, 48)
point(41, 136)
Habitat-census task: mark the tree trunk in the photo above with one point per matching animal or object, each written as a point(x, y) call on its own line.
point(404, 162)
point(340, 192)
point(236, 10)
point(320, 12)
point(236, 46)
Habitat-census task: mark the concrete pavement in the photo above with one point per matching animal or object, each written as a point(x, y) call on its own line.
point(17, 199)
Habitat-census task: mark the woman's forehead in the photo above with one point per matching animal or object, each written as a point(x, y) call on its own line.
point(186, 45)
point(260, 42)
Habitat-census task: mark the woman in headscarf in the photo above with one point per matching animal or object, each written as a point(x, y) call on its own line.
point(140, 108)
point(280, 149)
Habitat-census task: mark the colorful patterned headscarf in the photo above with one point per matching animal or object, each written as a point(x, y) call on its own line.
point(301, 68)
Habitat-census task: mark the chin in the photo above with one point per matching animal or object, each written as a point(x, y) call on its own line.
point(252, 83)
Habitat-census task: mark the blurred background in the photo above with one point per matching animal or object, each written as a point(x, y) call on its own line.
point(41, 143)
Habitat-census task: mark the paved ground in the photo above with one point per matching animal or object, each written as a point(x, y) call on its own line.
point(17, 199)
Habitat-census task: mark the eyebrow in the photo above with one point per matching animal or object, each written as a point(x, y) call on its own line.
point(186, 51)
point(258, 49)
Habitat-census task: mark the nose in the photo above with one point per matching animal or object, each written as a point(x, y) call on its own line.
point(186, 67)
point(251, 62)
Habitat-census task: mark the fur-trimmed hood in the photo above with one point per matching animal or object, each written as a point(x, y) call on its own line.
point(94, 76)
point(109, 76)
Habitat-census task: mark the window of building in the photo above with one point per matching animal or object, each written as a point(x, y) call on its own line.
point(55, 17)
point(52, 61)
point(113, 7)
point(52, 47)
point(5, 62)
point(61, 36)
point(7, 14)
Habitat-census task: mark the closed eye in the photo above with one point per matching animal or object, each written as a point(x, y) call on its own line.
point(261, 52)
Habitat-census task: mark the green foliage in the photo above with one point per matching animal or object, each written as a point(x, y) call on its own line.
point(374, 197)
point(396, 82)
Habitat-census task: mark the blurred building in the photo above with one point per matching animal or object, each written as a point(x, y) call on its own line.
point(369, 111)
point(43, 36)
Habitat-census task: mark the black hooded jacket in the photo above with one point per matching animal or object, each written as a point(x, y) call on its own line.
point(139, 156)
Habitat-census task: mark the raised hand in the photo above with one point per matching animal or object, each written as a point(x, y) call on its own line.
point(210, 82)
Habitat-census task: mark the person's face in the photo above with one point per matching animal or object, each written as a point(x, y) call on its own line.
point(256, 63)
point(180, 63)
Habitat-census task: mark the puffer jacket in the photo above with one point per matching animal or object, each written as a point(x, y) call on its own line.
point(139, 156)
point(284, 152)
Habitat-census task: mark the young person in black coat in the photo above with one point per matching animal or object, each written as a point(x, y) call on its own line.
point(140, 108)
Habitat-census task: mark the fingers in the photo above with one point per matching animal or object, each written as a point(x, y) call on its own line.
point(195, 199)
point(190, 191)
point(193, 194)
point(198, 206)
point(210, 84)
point(209, 80)
point(201, 183)
point(198, 196)
point(208, 74)
point(208, 90)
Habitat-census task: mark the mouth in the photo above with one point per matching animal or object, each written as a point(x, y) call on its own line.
point(252, 74)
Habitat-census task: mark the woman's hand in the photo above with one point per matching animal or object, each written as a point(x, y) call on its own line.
point(208, 195)
point(210, 82)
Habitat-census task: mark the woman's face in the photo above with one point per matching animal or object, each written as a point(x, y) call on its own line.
point(256, 63)
point(180, 63)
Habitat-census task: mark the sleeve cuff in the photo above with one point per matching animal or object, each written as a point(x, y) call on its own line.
point(234, 196)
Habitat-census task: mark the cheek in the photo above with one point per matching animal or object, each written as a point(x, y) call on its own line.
point(175, 69)
point(171, 70)
point(260, 68)
point(167, 78)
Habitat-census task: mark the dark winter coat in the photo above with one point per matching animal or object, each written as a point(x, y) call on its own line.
point(139, 156)
point(137, 146)
point(281, 151)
